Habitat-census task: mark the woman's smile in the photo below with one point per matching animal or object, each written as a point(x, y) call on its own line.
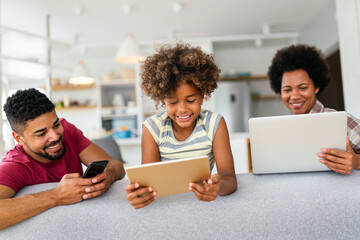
point(298, 91)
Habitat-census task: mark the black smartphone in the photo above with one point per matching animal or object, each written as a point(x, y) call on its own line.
point(95, 168)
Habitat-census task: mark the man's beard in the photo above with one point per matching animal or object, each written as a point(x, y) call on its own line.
point(56, 155)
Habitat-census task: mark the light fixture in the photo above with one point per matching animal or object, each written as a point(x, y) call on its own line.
point(127, 9)
point(78, 10)
point(129, 51)
point(177, 7)
point(80, 75)
point(258, 42)
point(266, 29)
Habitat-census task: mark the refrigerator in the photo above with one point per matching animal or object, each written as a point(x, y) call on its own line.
point(233, 102)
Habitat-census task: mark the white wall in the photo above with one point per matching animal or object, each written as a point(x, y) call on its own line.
point(322, 31)
point(24, 18)
point(245, 57)
point(337, 26)
point(242, 57)
point(87, 120)
point(348, 25)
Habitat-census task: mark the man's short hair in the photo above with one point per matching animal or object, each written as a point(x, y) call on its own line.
point(26, 105)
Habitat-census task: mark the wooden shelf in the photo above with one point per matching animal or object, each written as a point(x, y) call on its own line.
point(245, 78)
point(113, 107)
point(107, 109)
point(118, 116)
point(118, 82)
point(75, 108)
point(265, 97)
point(72, 87)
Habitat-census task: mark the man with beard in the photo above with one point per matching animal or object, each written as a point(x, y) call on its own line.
point(49, 149)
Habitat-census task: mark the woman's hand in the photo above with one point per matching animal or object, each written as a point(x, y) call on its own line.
point(139, 197)
point(340, 161)
point(209, 190)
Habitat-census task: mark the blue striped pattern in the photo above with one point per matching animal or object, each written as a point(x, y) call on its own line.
point(199, 143)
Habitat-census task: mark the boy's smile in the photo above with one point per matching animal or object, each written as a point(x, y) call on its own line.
point(185, 118)
point(184, 107)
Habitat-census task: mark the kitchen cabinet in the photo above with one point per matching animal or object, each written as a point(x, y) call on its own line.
point(258, 98)
point(243, 96)
point(114, 105)
point(121, 107)
point(78, 104)
point(257, 93)
point(74, 97)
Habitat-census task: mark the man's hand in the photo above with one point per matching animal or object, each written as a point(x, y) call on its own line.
point(340, 161)
point(71, 189)
point(100, 184)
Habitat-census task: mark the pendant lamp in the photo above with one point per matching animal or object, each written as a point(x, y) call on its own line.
point(129, 51)
point(80, 75)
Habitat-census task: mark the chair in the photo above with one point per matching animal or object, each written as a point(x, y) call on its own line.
point(110, 147)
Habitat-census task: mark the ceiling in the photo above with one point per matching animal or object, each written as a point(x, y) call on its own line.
point(105, 20)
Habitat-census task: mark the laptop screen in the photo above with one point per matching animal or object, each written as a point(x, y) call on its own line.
point(291, 143)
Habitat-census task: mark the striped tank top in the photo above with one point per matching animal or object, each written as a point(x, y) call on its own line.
point(199, 143)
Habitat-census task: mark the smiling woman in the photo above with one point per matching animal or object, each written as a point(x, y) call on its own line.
point(299, 73)
point(297, 91)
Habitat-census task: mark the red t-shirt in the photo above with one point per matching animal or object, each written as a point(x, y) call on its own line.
point(18, 169)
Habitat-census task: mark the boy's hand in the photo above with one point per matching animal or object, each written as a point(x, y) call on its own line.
point(209, 190)
point(139, 197)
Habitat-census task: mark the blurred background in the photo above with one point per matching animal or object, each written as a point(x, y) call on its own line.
point(45, 43)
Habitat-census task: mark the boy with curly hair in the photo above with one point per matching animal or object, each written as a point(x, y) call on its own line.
point(179, 78)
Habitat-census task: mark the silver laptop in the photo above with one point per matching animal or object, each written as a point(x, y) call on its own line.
point(291, 143)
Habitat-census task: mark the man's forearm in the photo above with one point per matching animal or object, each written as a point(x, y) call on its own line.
point(14, 210)
point(117, 170)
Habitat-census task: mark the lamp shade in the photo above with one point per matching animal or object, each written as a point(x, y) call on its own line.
point(80, 75)
point(129, 51)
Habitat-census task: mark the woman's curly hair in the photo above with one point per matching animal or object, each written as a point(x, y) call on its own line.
point(164, 71)
point(295, 57)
